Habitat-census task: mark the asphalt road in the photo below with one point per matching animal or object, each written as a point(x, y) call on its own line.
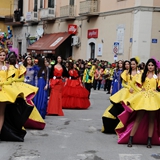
point(76, 136)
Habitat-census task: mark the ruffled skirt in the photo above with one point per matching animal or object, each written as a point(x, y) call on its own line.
point(75, 96)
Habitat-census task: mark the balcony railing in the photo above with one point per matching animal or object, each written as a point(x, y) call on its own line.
point(9, 18)
point(47, 14)
point(13, 20)
point(68, 12)
point(32, 17)
point(89, 7)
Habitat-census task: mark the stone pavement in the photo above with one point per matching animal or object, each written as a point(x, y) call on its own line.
point(76, 136)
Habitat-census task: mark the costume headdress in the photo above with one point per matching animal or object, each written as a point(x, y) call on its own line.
point(157, 62)
point(137, 59)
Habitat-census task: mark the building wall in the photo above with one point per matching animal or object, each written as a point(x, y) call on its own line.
point(140, 27)
point(142, 35)
point(6, 9)
point(155, 34)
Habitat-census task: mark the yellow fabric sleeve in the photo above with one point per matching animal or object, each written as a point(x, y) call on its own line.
point(125, 85)
point(159, 83)
point(21, 79)
point(124, 75)
point(22, 70)
point(7, 82)
point(11, 71)
point(134, 86)
point(84, 76)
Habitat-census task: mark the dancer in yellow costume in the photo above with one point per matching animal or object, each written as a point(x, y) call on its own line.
point(35, 121)
point(130, 79)
point(8, 93)
point(88, 77)
point(142, 125)
point(18, 79)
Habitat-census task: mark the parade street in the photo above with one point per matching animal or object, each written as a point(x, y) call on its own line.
point(76, 136)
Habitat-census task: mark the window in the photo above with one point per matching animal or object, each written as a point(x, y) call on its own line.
point(50, 3)
point(71, 3)
point(41, 4)
point(35, 5)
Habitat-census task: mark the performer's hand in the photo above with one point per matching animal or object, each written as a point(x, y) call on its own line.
point(143, 89)
point(131, 90)
point(46, 87)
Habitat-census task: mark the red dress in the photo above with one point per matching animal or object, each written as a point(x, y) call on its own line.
point(55, 100)
point(74, 95)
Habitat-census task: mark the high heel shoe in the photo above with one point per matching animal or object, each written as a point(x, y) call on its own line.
point(130, 141)
point(149, 145)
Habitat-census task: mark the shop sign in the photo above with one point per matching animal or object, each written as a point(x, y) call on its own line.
point(72, 29)
point(92, 33)
point(56, 42)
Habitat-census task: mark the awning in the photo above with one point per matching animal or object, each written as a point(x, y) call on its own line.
point(48, 43)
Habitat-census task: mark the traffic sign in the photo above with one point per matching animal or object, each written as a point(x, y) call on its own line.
point(115, 47)
point(154, 40)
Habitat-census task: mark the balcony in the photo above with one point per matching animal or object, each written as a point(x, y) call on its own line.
point(32, 17)
point(89, 8)
point(47, 14)
point(68, 12)
point(11, 20)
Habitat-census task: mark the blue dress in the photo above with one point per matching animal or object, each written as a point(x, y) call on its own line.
point(40, 100)
point(116, 82)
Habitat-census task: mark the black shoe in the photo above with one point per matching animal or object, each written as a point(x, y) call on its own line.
point(130, 141)
point(108, 93)
point(149, 145)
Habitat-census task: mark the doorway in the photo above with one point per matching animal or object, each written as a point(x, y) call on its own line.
point(92, 49)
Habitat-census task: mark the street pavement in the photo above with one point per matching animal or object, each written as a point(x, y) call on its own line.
point(76, 136)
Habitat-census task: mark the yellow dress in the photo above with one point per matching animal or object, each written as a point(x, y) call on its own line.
point(149, 99)
point(128, 81)
point(28, 90)
point(35, 120)
point(8, 92)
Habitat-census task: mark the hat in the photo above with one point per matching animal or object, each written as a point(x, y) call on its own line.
point(89, 64)
point(137, 59)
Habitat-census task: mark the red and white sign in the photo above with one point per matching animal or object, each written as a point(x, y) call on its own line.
point(72, 29)
point(93, 33)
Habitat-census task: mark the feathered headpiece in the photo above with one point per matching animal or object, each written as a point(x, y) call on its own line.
point(157, 62)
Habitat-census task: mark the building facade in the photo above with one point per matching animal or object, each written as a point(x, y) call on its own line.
point(104, 29)
point(6, 10)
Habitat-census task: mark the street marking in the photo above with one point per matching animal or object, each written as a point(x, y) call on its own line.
point(65, 134)
point(130, 156)
point(62, 147)
point(81, 119)
point(63, 119)
point(24, 157)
